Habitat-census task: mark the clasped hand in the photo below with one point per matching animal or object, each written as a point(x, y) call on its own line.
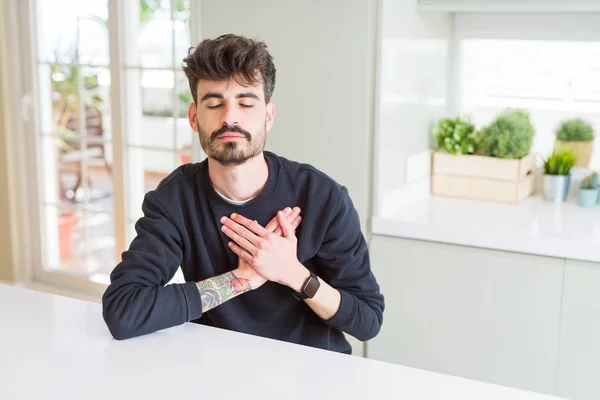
point(271, 250)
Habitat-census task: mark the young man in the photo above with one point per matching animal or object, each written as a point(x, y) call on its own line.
point(230, 223)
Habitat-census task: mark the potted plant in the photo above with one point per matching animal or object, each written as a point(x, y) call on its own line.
point(576, 135)
point(557, 175)
point(588, 192)
point(509, 136)
point(456, 136)
point(492, 164)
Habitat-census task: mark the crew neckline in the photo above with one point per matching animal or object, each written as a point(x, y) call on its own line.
point(216, 200)
point(231, 201)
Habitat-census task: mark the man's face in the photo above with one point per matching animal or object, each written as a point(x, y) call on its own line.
point(231, 120)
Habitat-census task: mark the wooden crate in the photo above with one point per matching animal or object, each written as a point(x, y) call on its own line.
point(482, 178)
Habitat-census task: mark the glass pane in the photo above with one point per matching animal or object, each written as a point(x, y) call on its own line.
point(61, 102)
point(69, 179)
point(150, 99)
point(64, 92)
point(182, 10)
point(96, 97)
point(56, 42)
point(150, 23)
point(81, 31)
point(93, 40)
point(79, 243)
point(552, 80)
point(147, 168)
point(97, 249)
point(58, 97)
point(183, 128)
point(181, 28)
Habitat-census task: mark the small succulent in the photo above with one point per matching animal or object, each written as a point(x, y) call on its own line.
point(586, 183)
point(559, 163)
point(456, 135)
point(575, 130)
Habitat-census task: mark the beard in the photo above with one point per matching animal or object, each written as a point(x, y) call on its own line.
point(233, 152)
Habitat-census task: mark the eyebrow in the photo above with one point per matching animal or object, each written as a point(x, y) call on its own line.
point(213, 95)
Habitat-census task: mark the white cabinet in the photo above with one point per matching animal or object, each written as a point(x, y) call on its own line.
point(480, 314)
point(578, 375)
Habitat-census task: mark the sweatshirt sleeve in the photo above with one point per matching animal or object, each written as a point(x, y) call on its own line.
point(137, 302)
point(345, 258)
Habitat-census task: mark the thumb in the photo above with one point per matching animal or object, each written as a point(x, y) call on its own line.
point(285, 226)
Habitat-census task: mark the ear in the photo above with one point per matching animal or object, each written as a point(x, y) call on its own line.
point(192, 111)
point(270, 115)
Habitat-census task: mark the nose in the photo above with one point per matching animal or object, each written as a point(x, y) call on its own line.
point(230, 116)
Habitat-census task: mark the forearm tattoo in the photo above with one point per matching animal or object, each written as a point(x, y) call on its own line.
point(217, 290)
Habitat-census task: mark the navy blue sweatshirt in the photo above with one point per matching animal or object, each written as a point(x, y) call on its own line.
point(181, 227)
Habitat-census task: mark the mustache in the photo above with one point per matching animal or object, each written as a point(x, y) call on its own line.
point(230, 128)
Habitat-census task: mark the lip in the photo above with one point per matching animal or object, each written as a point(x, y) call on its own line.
point(227, 135)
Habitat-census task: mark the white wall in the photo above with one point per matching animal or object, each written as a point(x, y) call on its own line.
point(324, 53)
point(413, 86)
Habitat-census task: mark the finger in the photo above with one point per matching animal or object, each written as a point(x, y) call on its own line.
point(252, 225)
point(273, 224)
point(286, 228)
point(296, 222)
point(293, 223)
point(239, 239)
point(293, 215)
point(241, 230)
point(240, 252)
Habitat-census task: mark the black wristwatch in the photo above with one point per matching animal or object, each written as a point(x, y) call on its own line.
point(310, 287)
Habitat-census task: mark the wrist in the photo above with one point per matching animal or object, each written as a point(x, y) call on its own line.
point(251, 275)
point(298, 278)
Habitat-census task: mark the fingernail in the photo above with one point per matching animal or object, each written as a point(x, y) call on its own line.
point(288, 209)
point(297, 209)
point(233, 215)
point(223, 228)
point(223, 219)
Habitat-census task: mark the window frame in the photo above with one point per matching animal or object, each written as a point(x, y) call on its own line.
point(29, 202)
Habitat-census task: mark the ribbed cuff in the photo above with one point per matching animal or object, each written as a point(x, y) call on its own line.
point(344, 313)
point(192, 298)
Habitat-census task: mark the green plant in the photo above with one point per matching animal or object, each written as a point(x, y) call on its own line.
point(575, 130)
point(456, 136)
point(510, 135)
point(559, 163)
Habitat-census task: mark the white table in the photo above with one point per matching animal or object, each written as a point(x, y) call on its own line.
point(54, 347)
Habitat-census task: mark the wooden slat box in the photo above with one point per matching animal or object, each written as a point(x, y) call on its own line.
point(482, 177)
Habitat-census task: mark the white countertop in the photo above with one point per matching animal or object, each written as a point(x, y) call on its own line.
point(532, 226)
point(55, 347)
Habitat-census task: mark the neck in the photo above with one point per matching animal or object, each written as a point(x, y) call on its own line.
point(239, 182)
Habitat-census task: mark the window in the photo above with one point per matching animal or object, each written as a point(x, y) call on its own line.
point(553, 80)
point(547, 64)
point(93, 170)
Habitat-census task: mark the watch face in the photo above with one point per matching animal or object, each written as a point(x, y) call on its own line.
point(311, 287)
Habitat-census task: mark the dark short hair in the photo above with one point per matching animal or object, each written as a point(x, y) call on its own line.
point(230, 56)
